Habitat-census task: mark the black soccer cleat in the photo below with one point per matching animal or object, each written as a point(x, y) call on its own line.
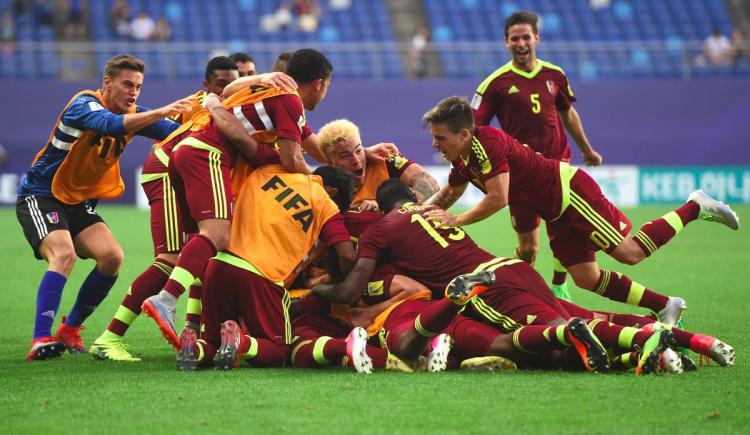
point(592, 353)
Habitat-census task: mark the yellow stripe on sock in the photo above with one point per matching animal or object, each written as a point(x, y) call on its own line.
point(625, 339)
point(194, 306)
point(517, 340)
point(635, 294)
point(252, 351)
point(201, 354)
point(560, 333)
point(646, 240)
point(183, 277)
point(421, 330)
point(318, 355)
point(546, 333)
point(626, 362)
point(125, 315)
point(674, 221)
point(163, 267)
point(606, 276)
point(302, 344)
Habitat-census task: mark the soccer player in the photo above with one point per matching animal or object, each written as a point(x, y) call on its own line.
point(580, 219)
point(532, 99)
point(433, 254)
point(279, 65)
point(246, 280)
point(166, 229)
point(245, 64)
point(78, 165)
point(342, 145)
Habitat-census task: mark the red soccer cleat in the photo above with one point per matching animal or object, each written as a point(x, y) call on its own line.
point(45, 348)
point(71, 337)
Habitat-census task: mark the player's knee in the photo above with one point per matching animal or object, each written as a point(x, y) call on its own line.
point(629, 253)
point(109, 262)
point(62, 260)
point(527, 251)
point(585, 280)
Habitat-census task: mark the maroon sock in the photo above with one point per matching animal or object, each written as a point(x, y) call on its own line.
point(193, 259)
point(378, 355)
point(471, 338)
point(436, 317)
point(267, 353)
point(147, 284)
point(618, 287)
point(539, 338)
point(624, 362)
point(559, 278)
point(609, 334)
point(655, 234)
point(634, 320)
point(698, 343)
point(209, 351)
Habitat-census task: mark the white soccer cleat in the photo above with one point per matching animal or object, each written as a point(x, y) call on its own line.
point(440, 347)
point(672, 313)
point(356, 350)
point(713, 210)
point(722, 353)
point(670, 362)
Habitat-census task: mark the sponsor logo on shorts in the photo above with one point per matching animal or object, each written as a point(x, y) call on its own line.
point(53, 217)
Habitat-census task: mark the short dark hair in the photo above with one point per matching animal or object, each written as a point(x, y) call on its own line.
point(219, 63)
point(241, 57)
point(123, 61)
point(283, 57)
point(522, 17)
point(391, 192)
point(340, 179)
point(455, 112)
point(307, 65)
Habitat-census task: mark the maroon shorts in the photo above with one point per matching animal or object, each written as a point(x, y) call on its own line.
point(167, 231)
point(524, 219)
point(231, 293)
point(519, 297)
point(589, 224)
point(401, 319)
point(313, 325)
point(202, 182)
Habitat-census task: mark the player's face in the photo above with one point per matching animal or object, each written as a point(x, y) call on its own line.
point(451, 145)
point(350, 155)
point(246, 68)
point(320, 90)
point(122, 91)
point(522, 42)
point(219, 80)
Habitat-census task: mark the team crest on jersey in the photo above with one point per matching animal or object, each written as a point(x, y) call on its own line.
point(551, 87)
point(375, 288)
point(53, 217)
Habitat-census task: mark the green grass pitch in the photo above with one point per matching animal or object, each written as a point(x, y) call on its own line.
point(707, 264)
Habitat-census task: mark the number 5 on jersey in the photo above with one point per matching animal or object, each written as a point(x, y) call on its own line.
point(536, 106)
point(457, 234)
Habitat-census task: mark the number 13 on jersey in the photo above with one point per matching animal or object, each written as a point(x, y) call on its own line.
point(456, 235)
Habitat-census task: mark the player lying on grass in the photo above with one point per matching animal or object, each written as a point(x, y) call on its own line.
point(519, 297)
point(580, 219)
point(167, 230)
point(79, 165)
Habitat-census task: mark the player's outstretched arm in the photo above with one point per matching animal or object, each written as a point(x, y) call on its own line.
point(277, 80)
point(572, 122)
point(230, 127)
point(133, 122)
point(350, 289)
point(495, 199)
point(447, 196)
point(380, 151)
point(421, 183)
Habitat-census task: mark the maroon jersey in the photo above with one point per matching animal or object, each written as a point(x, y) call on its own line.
point(527, 104)
point(358, 221)
point(432, 256)
point(534, 180)
point(282, 114)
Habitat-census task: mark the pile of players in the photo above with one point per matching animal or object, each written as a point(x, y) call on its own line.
point(357, 263)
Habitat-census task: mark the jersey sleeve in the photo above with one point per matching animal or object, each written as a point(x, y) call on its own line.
point(87, 113)
point(158, 130)
point(288, 117)
point(373, 241)
point(397, 164)
point(565, 97)
point(334, 231)
point(484, 102)
point(496, 149)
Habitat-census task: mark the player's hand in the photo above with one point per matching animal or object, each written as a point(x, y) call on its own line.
point(443, 217)
point(211, 101)
point(380, 151)
point(592, 158)
point(279, 81)
point(180, 106)
point(368, 205)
